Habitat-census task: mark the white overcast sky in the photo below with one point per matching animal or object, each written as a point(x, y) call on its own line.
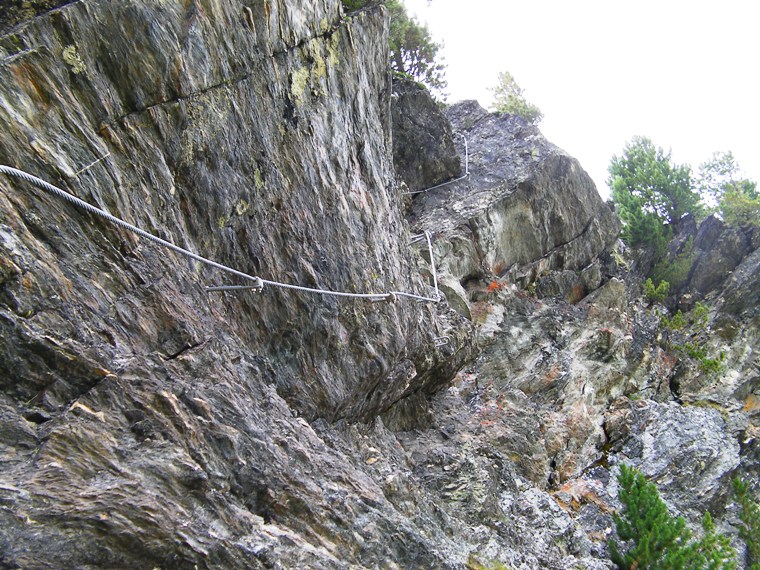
point(684, 73)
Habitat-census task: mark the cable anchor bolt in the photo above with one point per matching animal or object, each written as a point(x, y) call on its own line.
point(441, 341)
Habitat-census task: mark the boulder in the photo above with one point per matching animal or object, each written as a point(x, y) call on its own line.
point(525, 208)
point(690, 452)
point(423, 143)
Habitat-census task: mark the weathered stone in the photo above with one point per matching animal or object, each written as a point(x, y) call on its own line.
point(423, 145)
point(13, 12)
point(741, 295)
point(720, 250)
point(524, 204)
point(259, 137)
point(455, 295)
point(145, 423)
point(688, 451)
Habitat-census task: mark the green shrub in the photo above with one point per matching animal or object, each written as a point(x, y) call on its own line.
point(741, 208)
point(749, 514)
point(701, 316)
point(711, 365)
point(693, 326)
point(656, 539)
point(696, 351)
point(675, 323)
point(508, 97)
point(651, 194)
point(676, 270)
point(737, 198)
point(656, 294)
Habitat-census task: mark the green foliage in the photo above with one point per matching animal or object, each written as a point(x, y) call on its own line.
point(352, 5)
point(473, 563)
point(701, 315)
point(659, 541)
point(717, 175)
point(741, 207)
point(711, 365)
point(656, 294)
point(676, 270)
point(714, 550)
point(749, 514)
point(696, 324)
point(699, 353)
point(675, 323)
point(412, 49)
point(651, 193)
point(413, 52)
point(509, 98)
point(720, 180)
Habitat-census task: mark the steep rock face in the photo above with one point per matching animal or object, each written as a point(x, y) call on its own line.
point(423, 146)
point(15, 11)
point(712, 250)
point(718, 266)
point(525, 208)
point(578, 374)
point(145, 423)
point(148, 423)
point(532, 434)
point(243, 146)
point(742, 296)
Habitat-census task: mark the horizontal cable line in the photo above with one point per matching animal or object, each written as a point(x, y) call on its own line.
point(465, 175)
point(438, 185)
point(258, 281)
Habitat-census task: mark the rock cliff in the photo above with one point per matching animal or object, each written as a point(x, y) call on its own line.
point(150, 422)
point(146, 422)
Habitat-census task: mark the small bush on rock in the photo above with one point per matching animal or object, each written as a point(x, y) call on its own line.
point(676, 270)
point(656, 294)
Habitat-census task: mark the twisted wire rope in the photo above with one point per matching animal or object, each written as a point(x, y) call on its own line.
point(258, 281)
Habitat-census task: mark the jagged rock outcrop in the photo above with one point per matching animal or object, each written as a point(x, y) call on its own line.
point(708, 253)
point(423, 147)
point(526, 208)
point(564, 393)
point(147, 422)
point(741, 295)
point(579, 375)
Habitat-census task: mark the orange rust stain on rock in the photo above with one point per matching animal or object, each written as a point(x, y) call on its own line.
point(24, 75)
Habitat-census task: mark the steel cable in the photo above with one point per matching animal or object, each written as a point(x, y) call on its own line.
point(259, 282)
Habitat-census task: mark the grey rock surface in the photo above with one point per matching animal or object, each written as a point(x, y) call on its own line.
point(717, 250)
point(151, 424)
point(423, 147)
point(526, 206)
point(689, 452)
point(741, 295)
point(146, 423)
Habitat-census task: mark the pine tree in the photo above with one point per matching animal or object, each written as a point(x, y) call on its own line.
point(412, 50)
point(749, 514)
point(657, 540)
point(652, 194)
point(508, 97)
